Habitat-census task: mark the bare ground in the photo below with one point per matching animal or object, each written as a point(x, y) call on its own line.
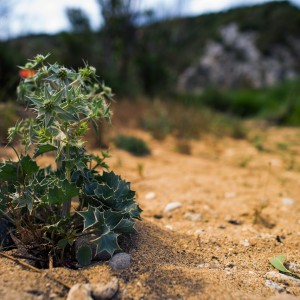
point(247, 202)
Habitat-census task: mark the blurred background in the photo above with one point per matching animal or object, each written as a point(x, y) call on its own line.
point(180, 67)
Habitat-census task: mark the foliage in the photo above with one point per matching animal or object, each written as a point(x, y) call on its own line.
point(278, 263)
point(51, 208)
point(132, 144)
point(186, 120)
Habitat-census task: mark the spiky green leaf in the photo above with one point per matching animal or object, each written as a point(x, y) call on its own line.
point(125, 226)
point(89, 218)
point(44, 149)
point(107, 242)
point(8, 171)
point(29, 166)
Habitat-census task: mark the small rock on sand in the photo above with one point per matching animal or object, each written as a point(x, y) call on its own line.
point(288, 201)
point(150, 196)
point(193, 217)
point(94, 291)
point(105, 291)
point(273, 285)
point(172, 206)
point(282, 278)
point(120, 261)
point(80, 292)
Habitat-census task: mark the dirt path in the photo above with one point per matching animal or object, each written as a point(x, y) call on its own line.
point(239, 206)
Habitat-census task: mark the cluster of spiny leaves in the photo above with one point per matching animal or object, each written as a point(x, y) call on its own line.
point(51, 208)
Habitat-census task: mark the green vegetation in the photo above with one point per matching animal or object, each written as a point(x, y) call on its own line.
point(51, 209)
point(278, 104)
point(187, 120)
point(132, 144)
point(278, 263)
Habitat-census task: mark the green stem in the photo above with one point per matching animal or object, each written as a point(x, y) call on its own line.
point(67, 205)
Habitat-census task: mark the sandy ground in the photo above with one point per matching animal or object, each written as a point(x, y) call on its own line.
point(239, 207)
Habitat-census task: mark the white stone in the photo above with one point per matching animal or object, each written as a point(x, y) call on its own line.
point(169, 227)
point(150, 196)
point(288, 201)
point(172, 206)
point(80, 292)
point(245, 243)
point(193, 217)
point(282, 278)
point(273, 285)
point(105, 291)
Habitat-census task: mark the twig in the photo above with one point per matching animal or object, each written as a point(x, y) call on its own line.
point(29, 258)
point(34, 269)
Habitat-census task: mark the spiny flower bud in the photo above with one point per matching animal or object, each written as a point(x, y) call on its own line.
point(62, 73)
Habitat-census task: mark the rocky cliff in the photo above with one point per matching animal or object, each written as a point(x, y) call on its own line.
point(234, 60)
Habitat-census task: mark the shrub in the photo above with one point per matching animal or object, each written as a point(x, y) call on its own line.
point(52, 208)
point(132, 144)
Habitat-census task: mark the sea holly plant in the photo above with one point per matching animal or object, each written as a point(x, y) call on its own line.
point(51, 209)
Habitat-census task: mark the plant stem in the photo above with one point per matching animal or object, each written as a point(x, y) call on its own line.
point(67, 205)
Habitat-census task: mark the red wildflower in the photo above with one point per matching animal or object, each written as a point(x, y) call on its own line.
point(25, 73)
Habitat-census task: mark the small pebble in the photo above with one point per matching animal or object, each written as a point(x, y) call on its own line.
point(169, 227)
point(150, 196)
point(105, 291)
point(282, 278)
point(288, 201)
point(273, 285)
point(199, 232)
point(158, 216)
point(294, 267)
point(120, 261)
point(245, 243)
point(172, 206)
point(80, 292)
point(193, 217)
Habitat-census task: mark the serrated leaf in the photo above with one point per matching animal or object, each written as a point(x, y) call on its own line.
point(125, 226)
point(89, 218)
point(55, 195)
point(84, 255)
point(8, 171)
point(112, 218)
point(277, 262)
point(29, 166)
point(44, 149)
point(69, 189)
point(107, 242)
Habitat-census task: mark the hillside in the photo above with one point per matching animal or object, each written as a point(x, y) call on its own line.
point(185, 53)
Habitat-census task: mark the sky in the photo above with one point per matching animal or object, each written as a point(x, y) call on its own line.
point(48, 16)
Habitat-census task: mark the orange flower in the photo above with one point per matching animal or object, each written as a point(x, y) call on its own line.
point(25, 73)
